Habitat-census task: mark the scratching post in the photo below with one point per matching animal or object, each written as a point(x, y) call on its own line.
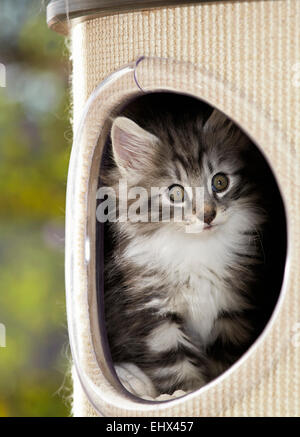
point(241, 57)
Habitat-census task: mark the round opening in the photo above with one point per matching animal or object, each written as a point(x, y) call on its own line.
point(180, 301)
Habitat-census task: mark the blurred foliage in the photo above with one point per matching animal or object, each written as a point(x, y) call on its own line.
point(34, 152)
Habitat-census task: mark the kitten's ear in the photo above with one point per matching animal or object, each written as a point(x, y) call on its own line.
point(218, 121)
point(133, 147)
point(225, 131)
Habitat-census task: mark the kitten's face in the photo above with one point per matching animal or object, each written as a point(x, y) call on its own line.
point(196, 178)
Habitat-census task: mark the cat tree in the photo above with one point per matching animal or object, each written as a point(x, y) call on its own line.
point(242, 57)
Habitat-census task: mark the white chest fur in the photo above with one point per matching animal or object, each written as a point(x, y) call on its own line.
point(200, 303)
point(193, 267)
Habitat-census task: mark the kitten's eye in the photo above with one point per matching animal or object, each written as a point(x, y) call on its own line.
point(219, 182)
point(176, 193)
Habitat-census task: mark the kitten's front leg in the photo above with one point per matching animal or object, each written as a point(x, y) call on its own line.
point(175, 363)
point(170, 362)
point(233, 334)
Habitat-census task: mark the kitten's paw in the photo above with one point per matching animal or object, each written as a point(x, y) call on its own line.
point(135, 380)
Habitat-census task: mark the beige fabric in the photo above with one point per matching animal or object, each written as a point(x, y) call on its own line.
point(253, 47)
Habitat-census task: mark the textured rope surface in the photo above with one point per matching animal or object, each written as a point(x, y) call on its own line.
point(254, 47)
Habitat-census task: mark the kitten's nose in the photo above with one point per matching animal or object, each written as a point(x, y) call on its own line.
point(209, 214)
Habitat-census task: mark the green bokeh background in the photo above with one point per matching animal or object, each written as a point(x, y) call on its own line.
point(35, 143)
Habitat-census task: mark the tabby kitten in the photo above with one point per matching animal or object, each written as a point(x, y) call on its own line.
point(182, 298)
